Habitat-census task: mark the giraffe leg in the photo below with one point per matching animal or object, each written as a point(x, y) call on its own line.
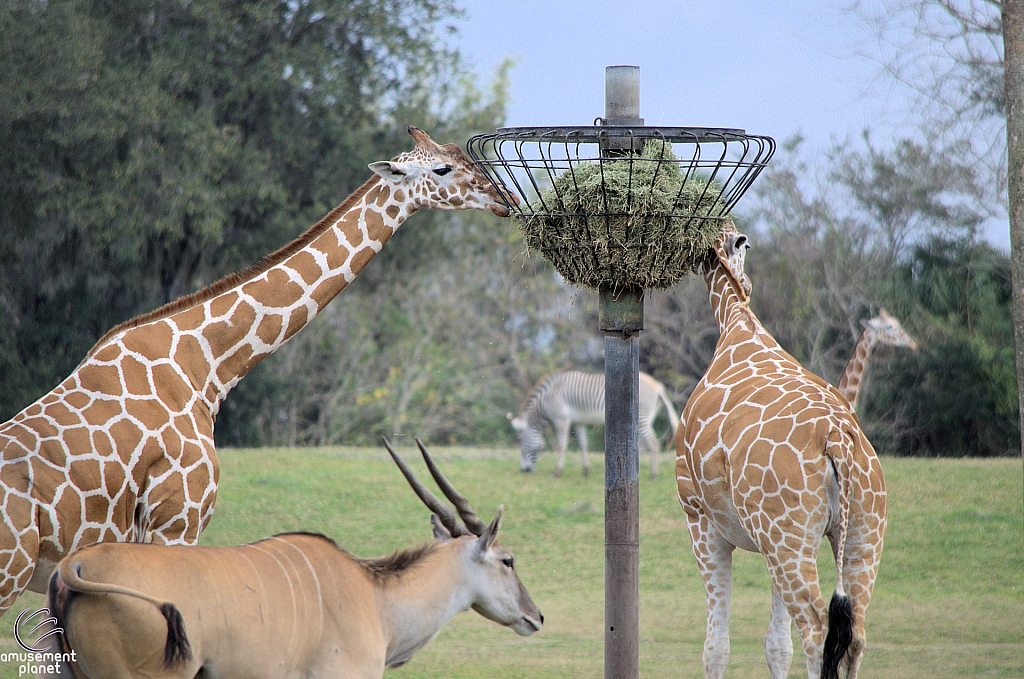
point(714, 559)
point(650, 441)
point(562, 441)
point(859, 571)
point(170, 515)
point(778, 644)
point(19, 546)
point(581, 438)
point(795, 576)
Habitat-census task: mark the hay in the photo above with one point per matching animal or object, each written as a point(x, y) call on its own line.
point(600, 227)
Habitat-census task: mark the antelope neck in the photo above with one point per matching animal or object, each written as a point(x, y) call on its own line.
point(416, 604)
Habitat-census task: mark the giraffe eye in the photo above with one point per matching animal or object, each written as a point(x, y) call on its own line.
point(508, 562)
point(442, 171)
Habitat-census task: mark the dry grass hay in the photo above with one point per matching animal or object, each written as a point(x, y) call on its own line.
point(625, 223)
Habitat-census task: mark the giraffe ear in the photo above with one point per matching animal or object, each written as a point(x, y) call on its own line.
point(388, 169)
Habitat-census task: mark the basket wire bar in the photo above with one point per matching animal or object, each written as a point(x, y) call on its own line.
point(740, 159)
point(716, 167)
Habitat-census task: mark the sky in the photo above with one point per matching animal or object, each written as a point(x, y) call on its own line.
point(774, 67)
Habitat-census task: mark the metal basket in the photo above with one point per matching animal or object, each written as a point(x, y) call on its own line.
point(612, 242)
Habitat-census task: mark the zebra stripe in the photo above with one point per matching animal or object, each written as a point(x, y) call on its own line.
point(573, 397)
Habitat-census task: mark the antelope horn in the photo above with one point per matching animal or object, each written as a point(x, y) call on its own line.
point(443, 511)
point(472, 521)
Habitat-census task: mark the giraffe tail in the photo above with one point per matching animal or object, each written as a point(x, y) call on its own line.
point(177, 649)
point(840, 608)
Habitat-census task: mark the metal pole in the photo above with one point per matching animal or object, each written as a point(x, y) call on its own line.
point(621, 319)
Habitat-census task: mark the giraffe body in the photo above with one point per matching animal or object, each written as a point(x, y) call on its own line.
point(769, 459)
point(123, 449)
point(882, 329)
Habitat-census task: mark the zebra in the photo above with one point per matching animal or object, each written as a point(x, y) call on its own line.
point(577, 397)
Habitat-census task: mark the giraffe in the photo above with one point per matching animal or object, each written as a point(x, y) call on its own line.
point(769, 458)
point(882, 329)
point(123, 449)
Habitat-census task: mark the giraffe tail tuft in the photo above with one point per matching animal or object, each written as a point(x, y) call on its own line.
point(840, 634)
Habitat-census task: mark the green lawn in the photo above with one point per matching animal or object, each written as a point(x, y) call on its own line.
point(949, 600)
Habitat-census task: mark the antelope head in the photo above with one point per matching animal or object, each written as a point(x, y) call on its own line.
point(496, 591)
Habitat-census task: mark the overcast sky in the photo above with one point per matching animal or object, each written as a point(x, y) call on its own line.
point(774, 67)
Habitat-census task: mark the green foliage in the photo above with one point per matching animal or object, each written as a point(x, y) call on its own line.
point(149, 147)
point(958, 394)
point(896, 229)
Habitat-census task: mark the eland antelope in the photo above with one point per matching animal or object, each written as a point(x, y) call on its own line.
point(576, 397)
point(292, 605)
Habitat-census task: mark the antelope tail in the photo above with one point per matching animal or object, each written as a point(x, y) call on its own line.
point(177, 649)
point(840, 608)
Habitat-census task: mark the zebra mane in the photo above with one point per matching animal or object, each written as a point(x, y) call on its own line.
point(530, 412)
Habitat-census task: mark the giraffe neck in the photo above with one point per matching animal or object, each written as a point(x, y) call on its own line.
point(849, 383)
point(723, 292)
point(228, 328)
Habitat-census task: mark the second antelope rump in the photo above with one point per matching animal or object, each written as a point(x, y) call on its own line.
point(294, 604)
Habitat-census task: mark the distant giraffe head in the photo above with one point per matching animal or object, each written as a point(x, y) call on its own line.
point(723, 269)
point(731, 249)
point(887, 330)
point(442, 178)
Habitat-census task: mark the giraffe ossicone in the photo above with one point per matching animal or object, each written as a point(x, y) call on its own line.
point(123, 449)
point(769, 459)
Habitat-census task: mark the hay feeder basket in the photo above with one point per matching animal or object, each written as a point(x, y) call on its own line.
point(622, 206)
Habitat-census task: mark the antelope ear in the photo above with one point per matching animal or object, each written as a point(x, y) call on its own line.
point(441, 533)
point(388, 169)
point(491, 534)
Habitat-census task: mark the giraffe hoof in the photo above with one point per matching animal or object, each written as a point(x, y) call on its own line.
point(555, 474)
point(586, 472)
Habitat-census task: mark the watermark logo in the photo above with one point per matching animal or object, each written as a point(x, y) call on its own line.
point(34, 647)
point(36, 659)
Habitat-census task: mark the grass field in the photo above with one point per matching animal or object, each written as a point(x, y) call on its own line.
point(949, 600)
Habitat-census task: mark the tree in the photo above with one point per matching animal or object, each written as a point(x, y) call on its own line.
point(1013, 30)
point(148, 147)
point(951, 53)
point(824, 257)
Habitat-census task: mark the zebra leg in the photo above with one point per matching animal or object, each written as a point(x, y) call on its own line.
point(562, 441)
point(581, 438)
point(649, 440)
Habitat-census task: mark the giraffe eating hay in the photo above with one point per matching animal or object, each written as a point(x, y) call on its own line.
point(769, 458)
point(882, 329)
point(123, 449)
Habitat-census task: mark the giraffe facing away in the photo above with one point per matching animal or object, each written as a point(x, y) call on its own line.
point(769, 458)
point(882, 329)
point(123, 449)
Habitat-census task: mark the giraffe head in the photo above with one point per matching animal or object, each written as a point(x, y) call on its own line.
point(888, 330)
point(730, 250)
point(443, 178)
